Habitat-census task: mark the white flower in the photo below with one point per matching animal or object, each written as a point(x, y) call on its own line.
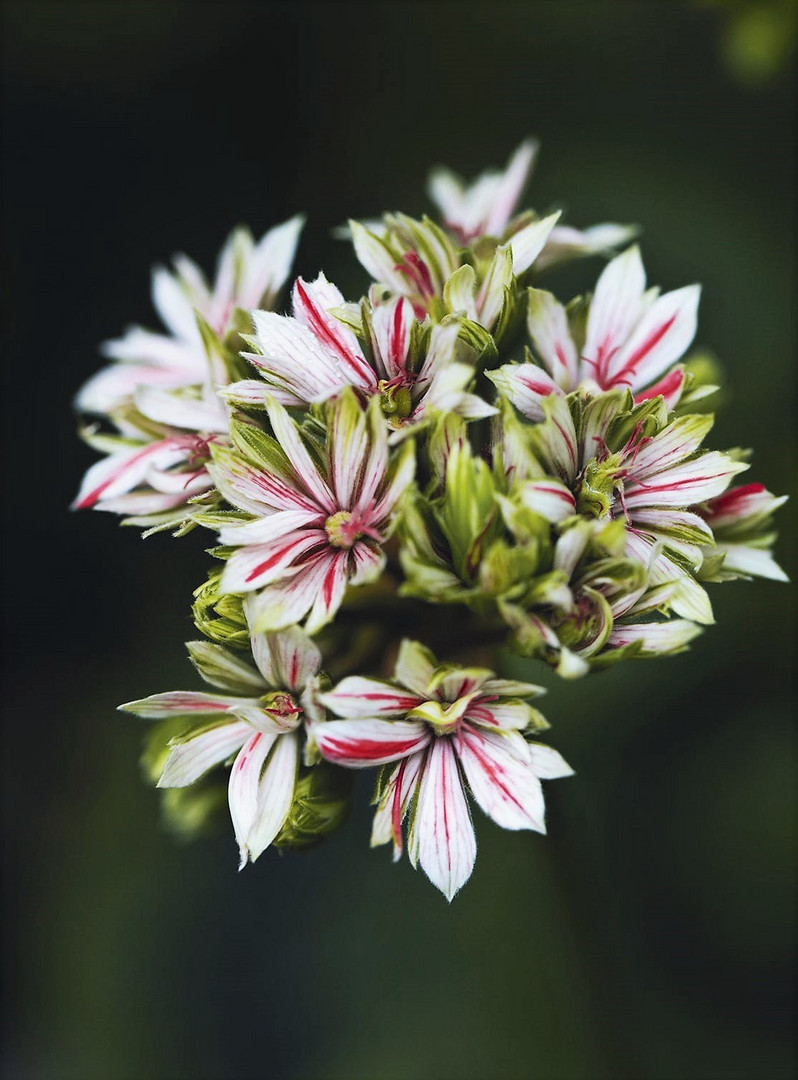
point(262, 729)
point(449, 730)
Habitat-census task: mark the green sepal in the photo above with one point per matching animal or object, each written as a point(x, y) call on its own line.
point(220, 617)
point(322, 799)
point(221, 668)
point(480, 340)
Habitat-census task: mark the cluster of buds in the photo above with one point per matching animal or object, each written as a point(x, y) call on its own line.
point(457, 457)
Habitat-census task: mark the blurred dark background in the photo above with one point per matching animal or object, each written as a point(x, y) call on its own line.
point(651, 934)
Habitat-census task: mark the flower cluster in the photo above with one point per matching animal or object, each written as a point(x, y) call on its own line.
point(456, 456)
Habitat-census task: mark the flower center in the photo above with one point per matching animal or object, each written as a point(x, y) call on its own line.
point(282, 708)
point(343, 529)
point(442, 717)
point(395, 398)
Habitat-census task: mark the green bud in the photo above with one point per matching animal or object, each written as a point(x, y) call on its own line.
point(321, 803)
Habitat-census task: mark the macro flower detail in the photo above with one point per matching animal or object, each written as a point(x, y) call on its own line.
point(261, 730)
point(632, 338)
point(456, 456)
point(312, 355)
point(445, 731)
point(316, 526)
point(161, 394)
point(247, 275)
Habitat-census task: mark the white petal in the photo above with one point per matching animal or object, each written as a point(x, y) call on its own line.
point(275, 794)
point(270, 264)
point(527, 244)
point(442, 837)
point(174, 305)
point(287, 659)
point(243, 788)
point(181, 703)
point(547, 321)
point(189, 760)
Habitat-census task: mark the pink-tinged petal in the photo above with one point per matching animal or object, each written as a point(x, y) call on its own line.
point(441, 836)
point(185, 483)
point(330, 593)
point(182, 703)
point(549, 498)
point(658, 341)
point(656, 637)
point(506, 789)
point(307, 471)
point(683, 485)
point(364, 742)
point(358, 697)
point(275, 795)
point(243, 788)
point(270, 264)
point(119, 473)
point(499, 715)
point(312, 301)
point(182, 412)
point(266, 530)
point(293, 358)
point(677, 441)
point(392, 323)
point(365, 564)
point(548, 763)
point(255, 490)
point(525, 385)
point(547, 321)
point(191, 759)
point(528, 243)
point(395, 802)
point(556, 440)
point(741, 502)
point(287, 601)
point(287, 659)
point(669, 387)
point(173, 304)
point(510, 187)
point(615, 309)
point(143, 502)
point(253, 567)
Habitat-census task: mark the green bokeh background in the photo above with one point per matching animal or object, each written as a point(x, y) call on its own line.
point(651, 934)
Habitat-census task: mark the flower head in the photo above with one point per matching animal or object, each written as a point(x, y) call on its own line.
point(256, 717)
point(312, 355)
point(632, 338)
point(449, 730)
point(318, 516)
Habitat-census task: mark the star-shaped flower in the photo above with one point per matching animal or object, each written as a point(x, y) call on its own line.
point(257, 716)
point(449, 730)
